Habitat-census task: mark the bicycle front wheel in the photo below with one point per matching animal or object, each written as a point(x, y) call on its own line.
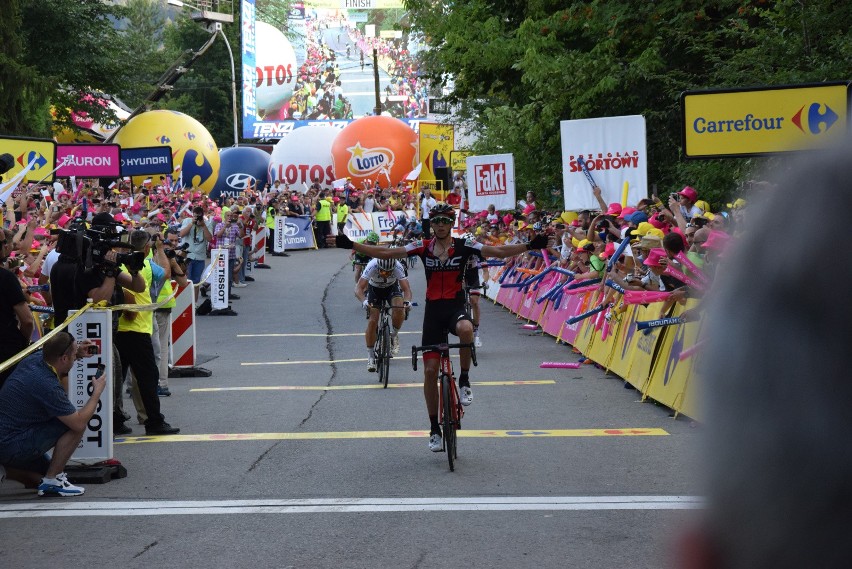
point(449, 423)
point(384, 364)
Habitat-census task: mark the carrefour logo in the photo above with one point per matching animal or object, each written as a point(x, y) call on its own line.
point(369, 161)
point(818, 120)
point(241, 182)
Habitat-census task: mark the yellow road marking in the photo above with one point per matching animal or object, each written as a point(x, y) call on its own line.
point(300, 362)
point(367, 386)
point(306, 335)
point(520, 433)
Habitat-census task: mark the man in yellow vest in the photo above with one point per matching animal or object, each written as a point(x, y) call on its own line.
point(342, 214)
point(323, 219)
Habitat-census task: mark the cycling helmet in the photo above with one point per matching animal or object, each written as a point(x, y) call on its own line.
point(468, 236)
point(442, 209)
point(372, 237)
point(386, 264)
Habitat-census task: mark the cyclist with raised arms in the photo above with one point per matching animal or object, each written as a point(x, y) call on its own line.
point(383, 280)
point(359, 260)
point(444, 259)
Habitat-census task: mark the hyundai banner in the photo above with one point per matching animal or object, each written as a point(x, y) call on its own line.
point(146, 161)
point(298, 233)
point(88, 160)
point(96, 326)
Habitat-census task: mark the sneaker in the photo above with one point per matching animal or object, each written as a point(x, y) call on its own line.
point(476, 341)
point(239, 285)
point(395, 345)
point(371, 363)
point(59, 487)
point(233, 296)
point(436, 443)
point(465, 395)
point(250, 279)
point(121, 429)
point(163, 392)
point(161, 429)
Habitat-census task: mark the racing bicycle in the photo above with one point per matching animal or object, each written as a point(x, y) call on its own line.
point(450, 410)
point(384, 348)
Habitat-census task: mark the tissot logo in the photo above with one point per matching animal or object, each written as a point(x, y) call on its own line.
point(241, 181)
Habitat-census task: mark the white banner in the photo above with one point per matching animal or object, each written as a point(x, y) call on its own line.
point(94, 325)
point(383, 224)
point(491, 180)
point(220, 280)
point(278, 240)
point(358, 225)
point(613, 149)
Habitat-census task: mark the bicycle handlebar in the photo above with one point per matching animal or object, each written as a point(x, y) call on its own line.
point(442, 348)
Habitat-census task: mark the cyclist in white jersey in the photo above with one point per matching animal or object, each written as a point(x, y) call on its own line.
point(383, 280)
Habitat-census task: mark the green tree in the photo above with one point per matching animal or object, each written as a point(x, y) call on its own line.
point(143, 28)
point(518, 68)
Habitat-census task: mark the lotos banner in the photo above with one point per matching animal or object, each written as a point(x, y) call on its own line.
point(88, 160)
point(298, 233)
point(491, 180)
point(613, 151)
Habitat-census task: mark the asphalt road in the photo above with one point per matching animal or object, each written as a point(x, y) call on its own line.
point(338, 473)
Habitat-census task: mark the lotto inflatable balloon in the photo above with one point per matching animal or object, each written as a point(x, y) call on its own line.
point(373, 148)
point(303, 156)
point(275, 61)
point(240, 169)
point(193, 149)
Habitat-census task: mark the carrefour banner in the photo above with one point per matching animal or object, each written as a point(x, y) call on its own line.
point(437, 142)
point(743, 122)
point(89, 160)
point(613, 151)
point(41, 153)
point(298, 233)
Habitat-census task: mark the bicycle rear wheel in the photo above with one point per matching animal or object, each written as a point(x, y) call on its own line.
point(380, 353)
point(448, 423)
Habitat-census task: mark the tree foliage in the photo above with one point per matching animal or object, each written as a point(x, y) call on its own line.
point(518, 68)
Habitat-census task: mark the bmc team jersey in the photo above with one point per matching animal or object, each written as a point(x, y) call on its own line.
point(444, 279)
point(371, 273)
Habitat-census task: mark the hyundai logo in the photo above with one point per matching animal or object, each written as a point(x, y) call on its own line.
point(290, 230)
point(241, 182)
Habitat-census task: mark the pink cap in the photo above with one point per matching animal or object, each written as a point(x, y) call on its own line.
point(160, 217)
point(625, 212)
point(654, 257)
point(529, 209)
point(717, 241)
point(689, 193)
point(658, 223)
point(41, 232)
point(507, 219)
point(135, 208)
point(119, 217)
point(614, 209)
point(608, 250)
point(63, 221)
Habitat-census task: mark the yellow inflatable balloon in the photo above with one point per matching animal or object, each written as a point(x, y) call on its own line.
point(193, 149)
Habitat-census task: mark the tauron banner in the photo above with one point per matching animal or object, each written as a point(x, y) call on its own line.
point(613, 151)
point(491, 181)
point(298, 233)
point(146, 161)
point(94, 325)
point(88, 160)
point(220, 280)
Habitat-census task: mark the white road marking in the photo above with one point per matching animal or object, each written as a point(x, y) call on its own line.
point(80, 508)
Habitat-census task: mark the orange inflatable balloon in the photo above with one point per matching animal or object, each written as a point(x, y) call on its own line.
point(375, 147)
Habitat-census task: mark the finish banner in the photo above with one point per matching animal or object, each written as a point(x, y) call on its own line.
point(94, 325)
point(612, 149)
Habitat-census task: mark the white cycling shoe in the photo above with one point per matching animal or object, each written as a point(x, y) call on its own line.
point(436, 443)
point(465, 395)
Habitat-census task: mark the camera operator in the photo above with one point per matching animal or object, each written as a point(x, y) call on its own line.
point(16, 320)
point(197, 232)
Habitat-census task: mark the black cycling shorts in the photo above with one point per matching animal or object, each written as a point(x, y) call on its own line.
point(471, 278)
point(440, 317)
point(375, 295)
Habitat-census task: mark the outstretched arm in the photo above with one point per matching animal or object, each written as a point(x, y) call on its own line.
point(503, 251)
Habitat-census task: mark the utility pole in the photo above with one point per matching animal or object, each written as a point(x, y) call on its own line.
point(378, 110)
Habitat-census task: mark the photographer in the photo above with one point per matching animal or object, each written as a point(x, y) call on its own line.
point(197, 232)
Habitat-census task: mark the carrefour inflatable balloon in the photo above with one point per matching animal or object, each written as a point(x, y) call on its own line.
point(371, 148)
point(275, 61)
point(240, 169)
point(303, 156)
point(193, 149)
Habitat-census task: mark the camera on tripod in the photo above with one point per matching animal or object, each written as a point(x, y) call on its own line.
point(89, 247)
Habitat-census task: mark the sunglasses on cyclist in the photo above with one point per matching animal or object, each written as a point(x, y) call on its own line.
point(441, 220)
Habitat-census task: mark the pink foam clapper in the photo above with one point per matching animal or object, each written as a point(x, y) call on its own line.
point(672, 272)
point(530, 327)
point(560, 365)
point(684, 260)
point(691, 351)
point(644, 297)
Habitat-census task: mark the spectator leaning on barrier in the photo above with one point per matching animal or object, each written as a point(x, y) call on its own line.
point(16, 319)
point(36, 416)
point(323, 217)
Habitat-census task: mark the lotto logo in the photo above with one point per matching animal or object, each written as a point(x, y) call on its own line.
point(490, 179)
